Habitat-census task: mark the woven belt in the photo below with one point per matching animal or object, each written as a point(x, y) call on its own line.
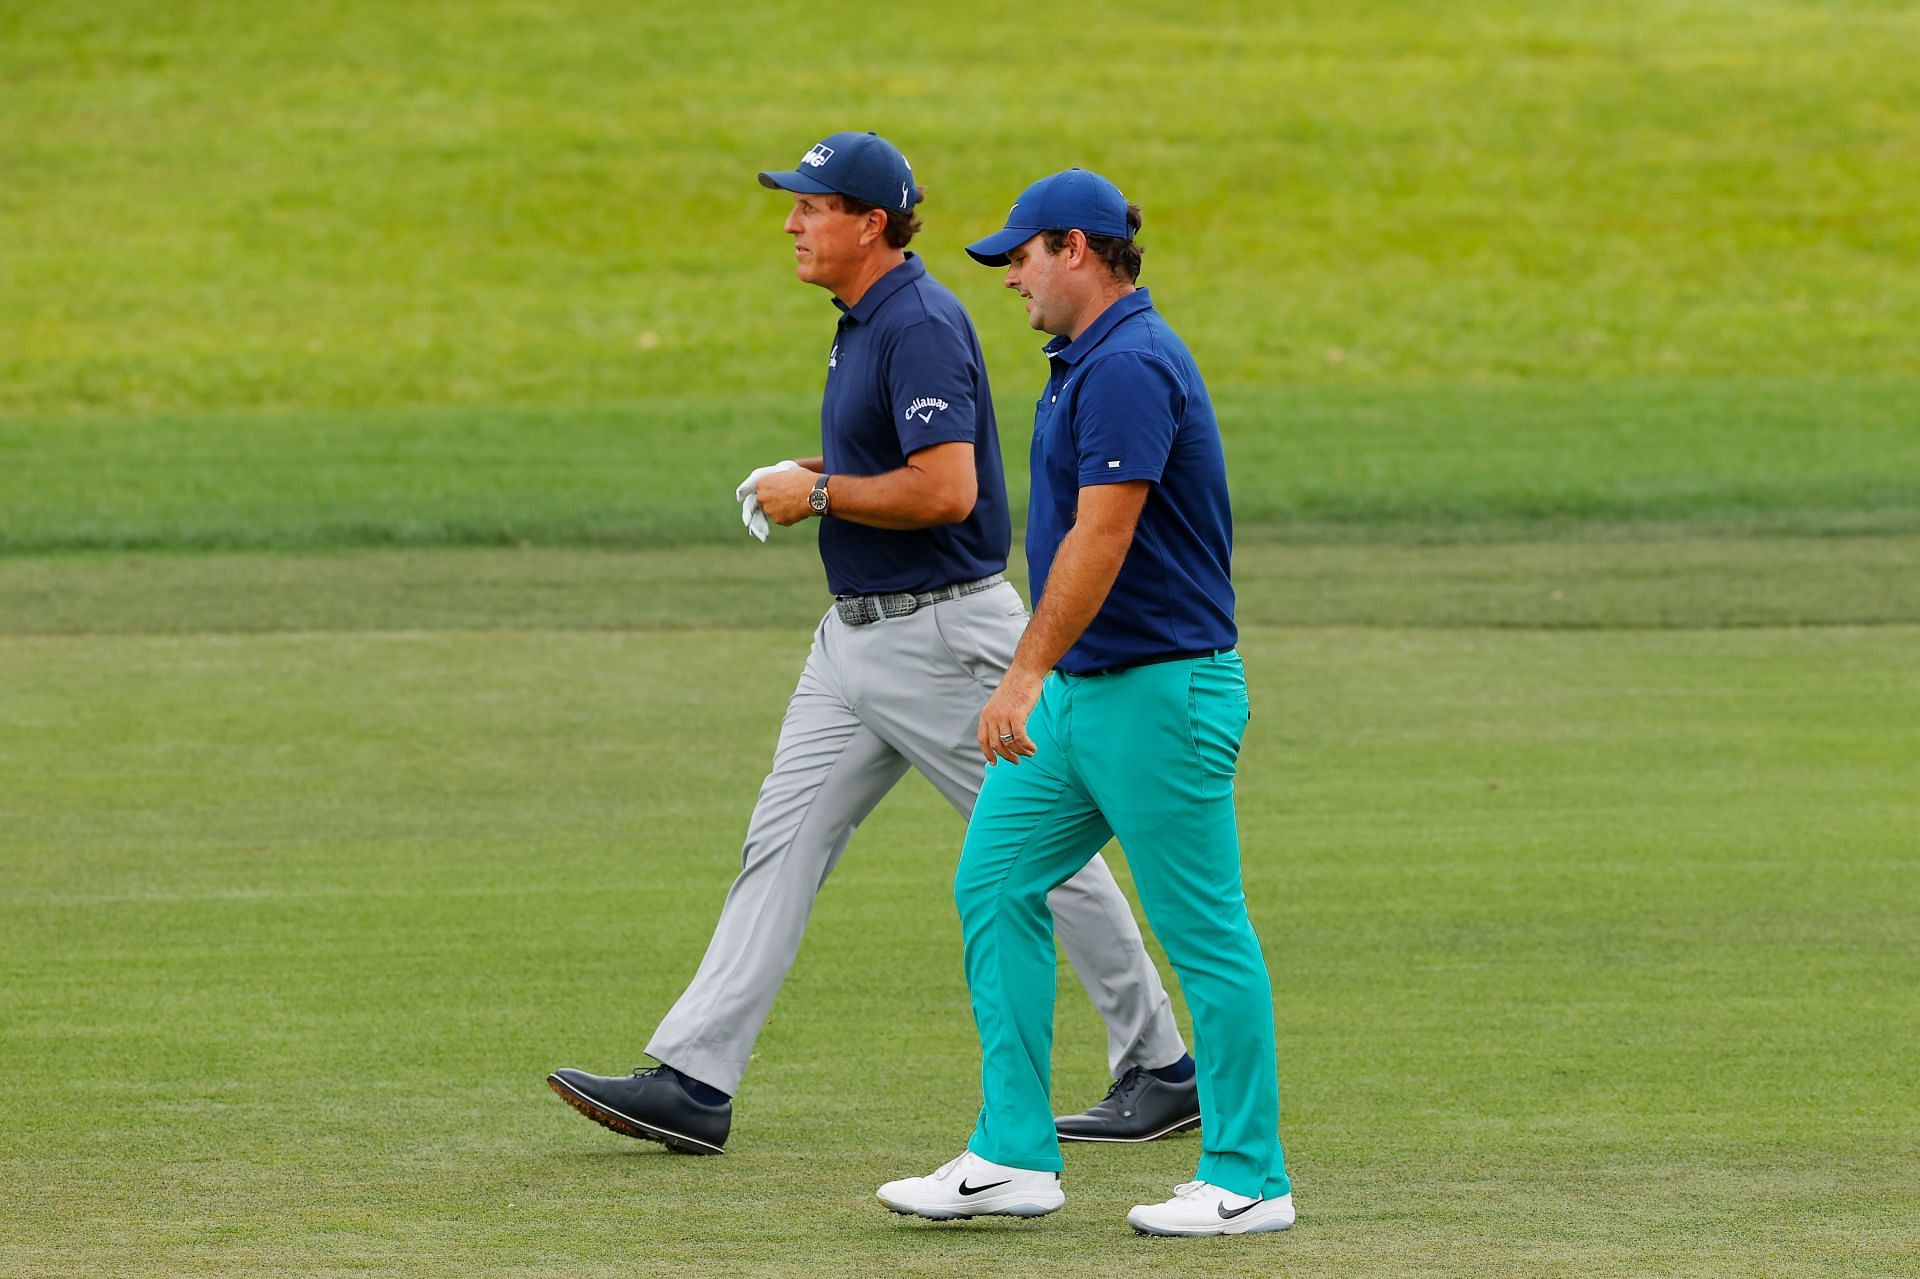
point(861, 610)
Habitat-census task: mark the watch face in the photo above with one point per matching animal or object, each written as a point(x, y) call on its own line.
point(818, 498)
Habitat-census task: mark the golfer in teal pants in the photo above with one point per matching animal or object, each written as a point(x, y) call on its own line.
point(1120, 717)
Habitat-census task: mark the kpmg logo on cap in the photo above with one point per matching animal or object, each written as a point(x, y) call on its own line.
point(820, 154)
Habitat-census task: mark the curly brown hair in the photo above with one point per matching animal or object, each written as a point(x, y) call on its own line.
point(1122, 256)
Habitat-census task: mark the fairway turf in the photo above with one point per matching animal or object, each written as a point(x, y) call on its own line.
point(490, 202)
point(1592, 956)
point(1635, 583)
point(385, 678)
point(1438, 463)
point(488, 273)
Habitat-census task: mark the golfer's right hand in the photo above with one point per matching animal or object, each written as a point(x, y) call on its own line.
point(747, 485)
point(1003, 722)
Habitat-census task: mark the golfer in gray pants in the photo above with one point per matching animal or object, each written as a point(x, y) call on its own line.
point(914, 537)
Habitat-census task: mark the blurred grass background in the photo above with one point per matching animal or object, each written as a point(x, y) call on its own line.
point(1309, 464)
point(486, 272)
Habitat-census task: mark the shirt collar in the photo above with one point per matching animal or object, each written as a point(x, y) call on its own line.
point(883, 288)
point(1072, 352)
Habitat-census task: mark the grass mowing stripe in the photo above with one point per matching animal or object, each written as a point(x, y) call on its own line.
point(1692, 582)
point(1432, 463)
point(1590, 953)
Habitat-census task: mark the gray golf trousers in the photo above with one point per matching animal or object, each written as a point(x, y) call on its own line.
point(872, 702)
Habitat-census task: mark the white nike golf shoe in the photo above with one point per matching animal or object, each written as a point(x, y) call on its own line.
point(1199, 1208)
point(970, 1186)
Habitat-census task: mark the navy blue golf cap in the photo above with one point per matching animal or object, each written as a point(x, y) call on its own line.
point(863, 165)
point(1059, 202)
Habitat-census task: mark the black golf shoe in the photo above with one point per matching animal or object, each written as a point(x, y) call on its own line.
point(648, 1104)
point(1139, 1107)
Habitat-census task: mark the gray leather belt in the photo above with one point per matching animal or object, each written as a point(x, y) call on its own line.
point(861, 610)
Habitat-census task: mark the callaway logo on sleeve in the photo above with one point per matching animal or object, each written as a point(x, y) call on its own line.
point(925, 407)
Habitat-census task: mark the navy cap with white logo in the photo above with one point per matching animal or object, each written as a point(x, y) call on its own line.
point(1065, 201)
point(863, 165)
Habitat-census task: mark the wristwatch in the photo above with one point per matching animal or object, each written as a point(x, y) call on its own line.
point(818, 498)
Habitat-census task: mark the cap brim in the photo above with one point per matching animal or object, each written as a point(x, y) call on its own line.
point(993, 250)
point(793, 180)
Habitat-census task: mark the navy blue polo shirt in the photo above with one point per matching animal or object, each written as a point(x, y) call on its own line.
point(905, 373)
point(1124, 401)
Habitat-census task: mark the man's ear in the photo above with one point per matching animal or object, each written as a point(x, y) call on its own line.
point(876, 226)
point(1076, 247)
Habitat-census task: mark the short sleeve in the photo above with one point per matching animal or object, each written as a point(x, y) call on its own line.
point(1128, 407)
point(931, 373)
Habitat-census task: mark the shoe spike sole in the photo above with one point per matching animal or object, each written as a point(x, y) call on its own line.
point(965, 1216)
point(1205, 1234)
point(611, 1119)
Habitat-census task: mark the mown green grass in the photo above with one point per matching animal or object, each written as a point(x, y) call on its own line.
point(1592, 951)
point(1455, 463)
point(360, 205)
point(1568, 365)
point(1690, 582)
point(488, 273)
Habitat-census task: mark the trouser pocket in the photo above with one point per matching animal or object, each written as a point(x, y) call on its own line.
point(1217, 712)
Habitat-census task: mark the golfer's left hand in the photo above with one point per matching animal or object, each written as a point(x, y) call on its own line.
point(783, 495)
point(1003, 723)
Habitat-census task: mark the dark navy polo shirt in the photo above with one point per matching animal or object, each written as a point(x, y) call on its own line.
point(1124, 401)
point(905, 373)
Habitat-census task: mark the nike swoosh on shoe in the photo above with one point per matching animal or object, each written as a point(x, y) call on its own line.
point(965, 1189)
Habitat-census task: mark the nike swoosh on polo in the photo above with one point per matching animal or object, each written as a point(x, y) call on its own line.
point(965, 1189)
point(1221, 1208)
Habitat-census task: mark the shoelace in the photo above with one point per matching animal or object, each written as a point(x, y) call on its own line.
point(1199, 1189)
point(1125, 1086)
point(940, 1173)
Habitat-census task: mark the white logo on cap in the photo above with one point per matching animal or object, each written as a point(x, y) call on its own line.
point(820, 154)
point(903, 195)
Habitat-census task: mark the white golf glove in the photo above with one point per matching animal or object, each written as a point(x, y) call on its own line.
point(750, 513)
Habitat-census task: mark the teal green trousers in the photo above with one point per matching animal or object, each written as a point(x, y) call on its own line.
point(1148, 756)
